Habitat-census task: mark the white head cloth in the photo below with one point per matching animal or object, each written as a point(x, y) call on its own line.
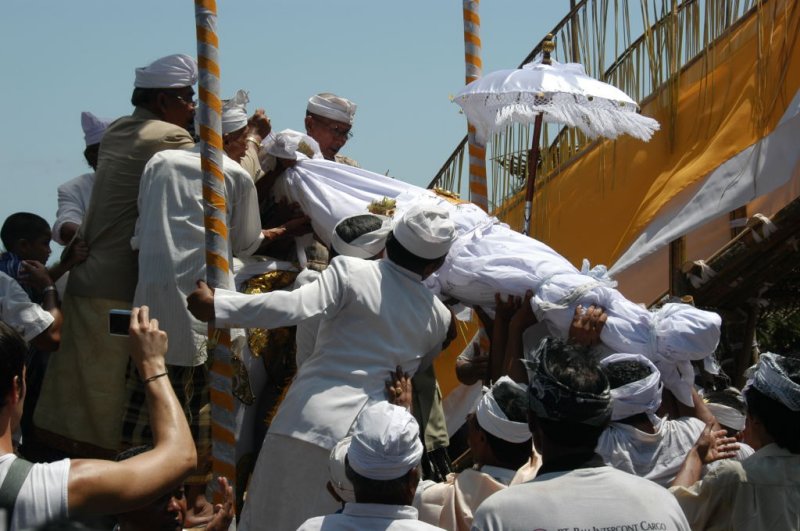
point(234, 112)
point(339, 480)
point(172, 71)
point(727, 416)
point(426, 231)
point(771, 379)
point(641, 396)
point(385, 443)
point(491, 418)
point(368, 244)
point(333, 107)
point(93, 127)
point(288, 143)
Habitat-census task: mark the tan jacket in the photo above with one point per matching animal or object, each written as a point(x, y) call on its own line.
point(111, 271)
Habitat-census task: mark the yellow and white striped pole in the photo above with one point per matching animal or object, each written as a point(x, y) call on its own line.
point(209, 116)
point(472, 57)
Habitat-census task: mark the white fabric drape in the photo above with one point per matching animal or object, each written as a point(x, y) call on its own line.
point(488, 257)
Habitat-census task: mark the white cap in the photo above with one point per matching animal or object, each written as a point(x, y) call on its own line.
point(234, 112)
point(492, 418)
point(93, 127)
point(385, 443)
point(286, 145)
point(333, 107)
point(336, 467)
point(172, 71)
point(366, 245)
point(426, 231)
point(727, 416)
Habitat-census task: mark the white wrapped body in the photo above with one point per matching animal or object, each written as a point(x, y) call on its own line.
point(488, 257)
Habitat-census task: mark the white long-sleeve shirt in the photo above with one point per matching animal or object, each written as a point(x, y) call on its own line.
point(376, 315)
point(170, 237)
point(19, 312)
point(73, 200)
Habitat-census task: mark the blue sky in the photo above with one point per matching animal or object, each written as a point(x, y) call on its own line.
point(399, 61)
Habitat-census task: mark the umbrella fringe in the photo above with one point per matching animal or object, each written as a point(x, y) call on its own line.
point(592, 121)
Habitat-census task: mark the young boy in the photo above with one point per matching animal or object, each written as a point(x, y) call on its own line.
point(26, 238)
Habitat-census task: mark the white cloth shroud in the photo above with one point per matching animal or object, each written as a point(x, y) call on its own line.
point(488, 257)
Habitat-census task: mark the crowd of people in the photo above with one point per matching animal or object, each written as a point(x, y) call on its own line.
point(339, 420)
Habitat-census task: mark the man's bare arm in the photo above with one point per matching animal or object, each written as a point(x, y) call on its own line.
point(108, 487)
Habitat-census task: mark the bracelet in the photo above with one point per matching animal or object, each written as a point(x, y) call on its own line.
point(254, 140)
point(51, 287)
point(156, 377)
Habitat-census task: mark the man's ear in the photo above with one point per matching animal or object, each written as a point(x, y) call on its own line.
point(18, 391)
point(308, 121)
point(161, 104)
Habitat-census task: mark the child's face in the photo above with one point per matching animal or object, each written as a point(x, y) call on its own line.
point(37, 249)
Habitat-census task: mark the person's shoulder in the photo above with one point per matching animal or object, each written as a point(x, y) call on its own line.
point(686, 423)
point(76, 182)
point(510, 501)
point(155, 130)
point(350, 263)
point(235, 170)
point(312, 524)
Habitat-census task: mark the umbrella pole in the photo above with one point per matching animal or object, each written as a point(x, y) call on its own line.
point(533, 162)
point(533, 155)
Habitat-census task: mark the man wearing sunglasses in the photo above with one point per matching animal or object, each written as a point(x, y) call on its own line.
point(329, 119)
point(83, 419)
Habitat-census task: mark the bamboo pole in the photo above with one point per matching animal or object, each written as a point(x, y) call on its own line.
point(472, 56)
point(217, 268)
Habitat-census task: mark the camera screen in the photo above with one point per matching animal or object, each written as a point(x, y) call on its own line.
point(118, 322)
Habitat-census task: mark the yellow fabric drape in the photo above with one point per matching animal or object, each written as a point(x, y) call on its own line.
point(727, 100)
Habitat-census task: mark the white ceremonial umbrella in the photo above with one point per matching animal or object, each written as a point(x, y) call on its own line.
point(553, 92)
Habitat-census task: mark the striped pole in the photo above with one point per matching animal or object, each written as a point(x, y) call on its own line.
point(472, 57)
point(209, 117)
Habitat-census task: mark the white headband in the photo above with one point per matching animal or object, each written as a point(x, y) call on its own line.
point(772, 380)
point(385, 443)
point(641, 396)
point(727, 416)
point(234, 112)
point(342, 485)
point(172, 71)
point(332, 107)
point(491, 418)
point(368, 244)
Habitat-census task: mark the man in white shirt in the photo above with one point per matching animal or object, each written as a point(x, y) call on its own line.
point(377, 315)
point(170, 238)
point(761, 493)
point(359, 236)
point(74, 195)
point(76, 487)
point(382, 465)
point(500, 443)
point(638, 441)
point(569, 406)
